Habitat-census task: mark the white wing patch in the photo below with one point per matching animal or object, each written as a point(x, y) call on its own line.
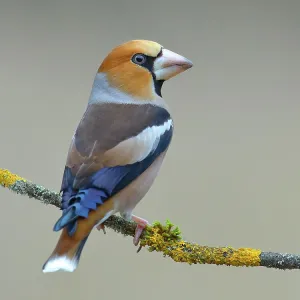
point(136, 148)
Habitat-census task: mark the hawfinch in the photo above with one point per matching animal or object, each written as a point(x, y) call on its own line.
point(118, 146)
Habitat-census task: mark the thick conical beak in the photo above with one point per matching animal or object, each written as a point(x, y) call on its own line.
point(170, 64)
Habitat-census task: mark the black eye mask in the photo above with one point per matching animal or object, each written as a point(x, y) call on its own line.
point(148, 62)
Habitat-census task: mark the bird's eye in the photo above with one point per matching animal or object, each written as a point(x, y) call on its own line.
point(139, 59)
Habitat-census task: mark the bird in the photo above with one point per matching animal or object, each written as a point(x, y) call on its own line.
point(118, 147)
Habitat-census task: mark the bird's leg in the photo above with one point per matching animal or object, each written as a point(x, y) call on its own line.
point(141, 225)
point(101, 227)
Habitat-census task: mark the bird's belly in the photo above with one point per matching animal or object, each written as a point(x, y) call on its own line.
point(126, 200)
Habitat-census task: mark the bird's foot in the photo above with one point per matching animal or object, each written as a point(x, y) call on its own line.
point(101, 227)
point(141, 225)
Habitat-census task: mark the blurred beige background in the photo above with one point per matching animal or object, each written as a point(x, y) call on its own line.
point(232, 173)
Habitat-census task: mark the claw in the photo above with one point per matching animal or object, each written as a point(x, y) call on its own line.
point(139, 249)
point(101, 227)
point(141, 225)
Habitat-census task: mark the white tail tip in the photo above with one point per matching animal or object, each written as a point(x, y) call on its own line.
point(60, 263)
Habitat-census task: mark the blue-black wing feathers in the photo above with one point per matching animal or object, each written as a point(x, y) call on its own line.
point(101, 185)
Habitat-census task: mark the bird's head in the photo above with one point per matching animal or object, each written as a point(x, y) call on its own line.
point(140, 67)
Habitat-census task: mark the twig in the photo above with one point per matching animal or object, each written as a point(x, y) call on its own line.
point(165, 238)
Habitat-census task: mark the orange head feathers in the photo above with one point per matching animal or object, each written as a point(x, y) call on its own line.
point(139, 68)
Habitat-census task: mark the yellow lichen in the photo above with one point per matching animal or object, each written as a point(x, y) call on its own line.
point(163, 238)
point(7, 178)
point(245, 256)
point(167, 239)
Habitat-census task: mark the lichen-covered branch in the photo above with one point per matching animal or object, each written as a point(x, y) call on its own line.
point(165, 238)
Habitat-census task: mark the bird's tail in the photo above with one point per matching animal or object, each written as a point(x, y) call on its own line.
point(66, 254)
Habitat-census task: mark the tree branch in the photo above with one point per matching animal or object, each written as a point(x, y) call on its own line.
point(164, 238)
